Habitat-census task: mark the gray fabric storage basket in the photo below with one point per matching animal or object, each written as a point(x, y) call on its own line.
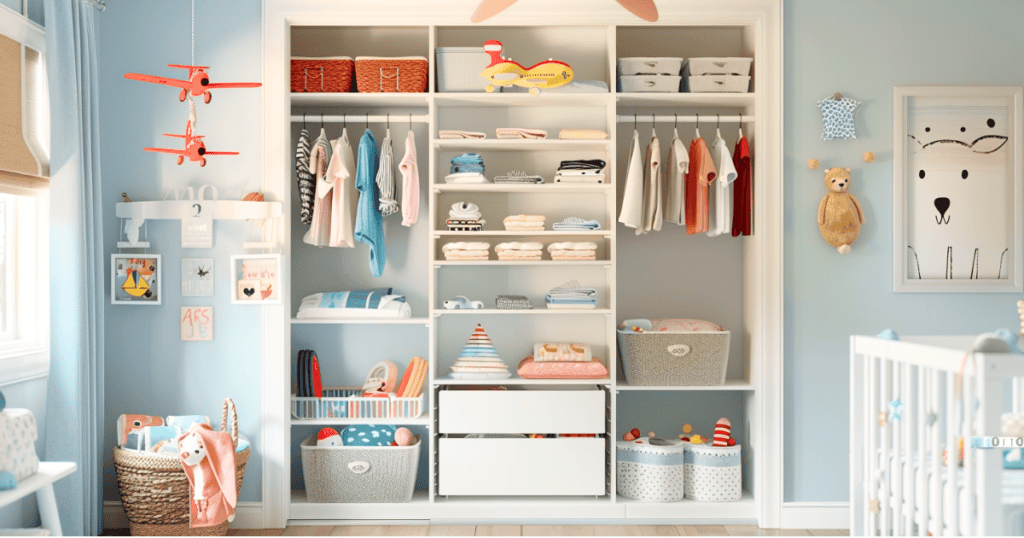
point(373, 474)
point(673, 358)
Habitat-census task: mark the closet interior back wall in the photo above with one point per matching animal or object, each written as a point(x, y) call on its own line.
point(321, 41)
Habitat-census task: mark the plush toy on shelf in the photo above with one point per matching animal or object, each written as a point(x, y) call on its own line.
point(723, 432)
point(328, 437)
point(839, 214)
point(461, 302)
point(505, 72)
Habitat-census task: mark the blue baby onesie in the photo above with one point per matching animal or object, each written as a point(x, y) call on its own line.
point(369, 228)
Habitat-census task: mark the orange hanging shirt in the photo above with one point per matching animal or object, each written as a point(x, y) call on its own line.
point(699, 177)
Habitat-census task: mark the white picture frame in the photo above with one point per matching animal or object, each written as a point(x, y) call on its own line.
point(196, 323)
point(956, 229)
point(255, 279)
point(197, 277)
point(146, 266)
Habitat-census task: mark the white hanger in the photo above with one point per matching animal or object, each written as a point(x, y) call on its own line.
point(696, 126)
point(741, 126)
point(718, 128)
point(654, 132)
point(675, 128)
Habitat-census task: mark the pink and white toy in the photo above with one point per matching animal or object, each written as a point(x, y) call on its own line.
point(208, 458)
point(723, 431)
point(328, 437)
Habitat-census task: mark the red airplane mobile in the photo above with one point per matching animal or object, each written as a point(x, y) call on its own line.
point(195, 149)
point(198, 82)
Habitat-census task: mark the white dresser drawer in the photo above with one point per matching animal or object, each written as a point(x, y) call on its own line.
point(521, 411)
point(565, 466)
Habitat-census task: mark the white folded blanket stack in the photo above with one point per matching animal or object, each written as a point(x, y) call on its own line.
point(524, 223)
point(572, 251)
point(519, 251)
point(465, 217)
point(465, 251)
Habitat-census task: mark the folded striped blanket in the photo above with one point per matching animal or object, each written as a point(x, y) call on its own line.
point(513, 132)
point(576, 223)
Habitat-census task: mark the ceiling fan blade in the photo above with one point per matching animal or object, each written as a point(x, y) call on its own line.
point(489, 8)
point(645, 9)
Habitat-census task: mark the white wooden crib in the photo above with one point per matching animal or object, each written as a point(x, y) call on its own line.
point(899, 484)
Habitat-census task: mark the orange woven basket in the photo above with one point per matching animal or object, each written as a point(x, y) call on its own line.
point(322, 74)
point(375, 74)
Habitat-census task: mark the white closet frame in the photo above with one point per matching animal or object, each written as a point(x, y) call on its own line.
point(762, 253)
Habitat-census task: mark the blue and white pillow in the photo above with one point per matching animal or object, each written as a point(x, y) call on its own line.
point(368, 435)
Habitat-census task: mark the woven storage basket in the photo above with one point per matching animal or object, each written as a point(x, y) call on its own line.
point(155, 490)
point(713, 473)
point(322, 74)
point(407, 74)
point(650, 471)
point(674, 358)
point(359, 474)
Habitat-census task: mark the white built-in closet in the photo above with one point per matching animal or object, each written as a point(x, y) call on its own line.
point(735, 282)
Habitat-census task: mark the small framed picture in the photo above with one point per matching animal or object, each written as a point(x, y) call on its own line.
point(255, 279)
point(135, 279)
point(197, 323)
point(197, 277)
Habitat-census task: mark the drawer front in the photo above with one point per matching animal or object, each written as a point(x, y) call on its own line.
point(568, 466)
point(521, 411)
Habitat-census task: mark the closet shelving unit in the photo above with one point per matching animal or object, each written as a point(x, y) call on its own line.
point(636, 276)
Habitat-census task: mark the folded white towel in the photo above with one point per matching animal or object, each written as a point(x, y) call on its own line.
point(512, 132)
point(569, 245)
point(466, 177)
point(466, 245)
point(531, 218)
point(598, 178)
point(468, 252)
point(582, 134)
point(573, 253)
point(515, 245)
point(449, 134)
point(464, 211)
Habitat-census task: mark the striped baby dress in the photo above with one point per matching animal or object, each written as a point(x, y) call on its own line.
point(386, 178)
point(305, 178)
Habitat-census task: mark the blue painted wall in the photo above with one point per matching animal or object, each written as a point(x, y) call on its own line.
point(862, 49)
point(148, 368)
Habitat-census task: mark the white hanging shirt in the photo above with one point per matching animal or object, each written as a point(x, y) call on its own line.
point(720, 193)
point(674, 185)
point(631, 213)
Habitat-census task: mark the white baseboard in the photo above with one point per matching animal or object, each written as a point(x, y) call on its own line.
point(816, 515)
point(248, 515)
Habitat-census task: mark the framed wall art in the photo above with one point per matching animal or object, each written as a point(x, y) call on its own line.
point(197, 277)
point(135, 279)
point(957, 189)
point(197, 323)
point(255, 279)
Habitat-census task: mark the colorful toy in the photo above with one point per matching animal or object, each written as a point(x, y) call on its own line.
point(635, 432)
point(128, 424)
point(197, 83)
point(413, 379)
point(208, 459)
point(404, 437)
point(869, 157)
point(731, 442)
point(697, 439)
point(503, 72)
point(651, 434)
point(839, 214)
point(813, 164)
point(328, 437)
point(195, 149)
point(687, 428)
point(645, 9)
point(723, 429)
point(628, 436)
point(461, 302)
point(684, 438)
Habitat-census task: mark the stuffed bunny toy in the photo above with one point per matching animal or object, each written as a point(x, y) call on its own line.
point(208, 458)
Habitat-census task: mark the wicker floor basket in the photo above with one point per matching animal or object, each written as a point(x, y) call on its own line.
point(322, 74)
point(408, 74)
point(155, 491)
point(674, 358)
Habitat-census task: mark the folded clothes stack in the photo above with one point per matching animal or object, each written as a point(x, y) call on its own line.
point(467, 251)
point(570, 251)
point(571, 296)
point(524, 223)
point(576, 224)
point(467, 168)
point(516, 251)
point(465, 217)
point(511, 132)
point(518, 176)
point(582, 134)
point(451, 134)
point(580, 171)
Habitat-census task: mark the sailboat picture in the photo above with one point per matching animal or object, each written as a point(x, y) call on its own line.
point(135, 279)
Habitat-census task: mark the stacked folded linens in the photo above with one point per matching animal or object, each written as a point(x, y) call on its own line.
point(524, 223)
point(572, 251)
point(467, 168)
point(467, 251)
point(571, 296)
point(576, 224)
point(519, 177)
point(581, 171)
point(519, 251)
point(465, 217)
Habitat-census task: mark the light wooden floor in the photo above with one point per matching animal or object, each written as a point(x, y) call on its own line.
point(533, 530)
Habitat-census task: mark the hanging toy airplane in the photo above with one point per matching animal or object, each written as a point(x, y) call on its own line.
point(198, 82)
point(503, 72)
point(195, 149)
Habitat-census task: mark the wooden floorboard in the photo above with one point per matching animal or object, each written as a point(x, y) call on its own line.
point(659, 530)
point(499, 530)
point(452, 530)
point(742, 530)
point(308, 530)
point(357, 530)
point(617, 530)
point(829, 532)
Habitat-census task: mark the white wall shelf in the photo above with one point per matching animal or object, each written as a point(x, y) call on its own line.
point(421, 421)
point(496, 263)
point(684, 100)
point(176, 209)
point(526, 312)
point(354, 99)
point(545, 233)
point(730, 384)
point(546, 188)
point(516, 144)
point(367, 321)
point(519, 381)
point(546, 98)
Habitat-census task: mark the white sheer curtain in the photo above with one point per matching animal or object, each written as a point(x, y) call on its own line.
point(75, 393)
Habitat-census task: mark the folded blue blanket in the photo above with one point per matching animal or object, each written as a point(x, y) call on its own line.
point(468, 162)
point(576, 223)
point(356, 298)
point(570, 300)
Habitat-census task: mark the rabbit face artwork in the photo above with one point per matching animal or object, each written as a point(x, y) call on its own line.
point(958, 169)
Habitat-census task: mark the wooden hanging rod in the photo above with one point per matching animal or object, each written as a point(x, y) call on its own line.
point(705, 118)
point(395, 119)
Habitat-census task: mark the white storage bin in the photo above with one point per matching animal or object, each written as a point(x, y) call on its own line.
point(358, 474)
point(713, 473)
point(718, 84)
point(350, 403)
point(650, 66)
point(458, 69)
point(521, 467)
point(674, 358)
point(521, 411)
point(653, 470)
point(649, 83)
point(718, 66)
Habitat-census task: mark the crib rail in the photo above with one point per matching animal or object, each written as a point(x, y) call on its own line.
point(907, 406)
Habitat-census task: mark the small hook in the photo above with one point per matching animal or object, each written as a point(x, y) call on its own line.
point(410, 121)
point(719, 124)
point(321, 120)
point(344, 121)
point(367, 121)
point(388, 121)
point(634, 122)
point(675, 125)
point(303, 120)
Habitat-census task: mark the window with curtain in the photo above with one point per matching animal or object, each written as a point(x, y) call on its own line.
point(24, 189)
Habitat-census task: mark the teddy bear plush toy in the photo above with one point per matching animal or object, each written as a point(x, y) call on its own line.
point(839, 215)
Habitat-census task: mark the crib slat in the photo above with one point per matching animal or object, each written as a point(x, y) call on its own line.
point(922, 501)
point(896, 470)
point(966, 428)
point(858, 499)
point(873, 448)
point(953, 419)
point(935, 452)
point(884, 394)
point(910, 418)
point(990, 462)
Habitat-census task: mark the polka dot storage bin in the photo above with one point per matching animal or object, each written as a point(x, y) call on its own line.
point(653, 470)
point(713, 473)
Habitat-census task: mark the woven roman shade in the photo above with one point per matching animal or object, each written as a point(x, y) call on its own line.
point(23, 166)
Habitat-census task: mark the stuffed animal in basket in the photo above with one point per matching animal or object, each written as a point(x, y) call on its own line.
point(839, 215)
point(208, 458)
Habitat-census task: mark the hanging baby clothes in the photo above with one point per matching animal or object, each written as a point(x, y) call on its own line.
point(698, 178)
point(369, 228)
point(410, 183)
point(305, 178)
point(742, 189)
point(631, 213)
point(720, 193)
point(674, 187)
point(652, 187)
point(342, 171)
point(319, 233)
point(386, 178)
